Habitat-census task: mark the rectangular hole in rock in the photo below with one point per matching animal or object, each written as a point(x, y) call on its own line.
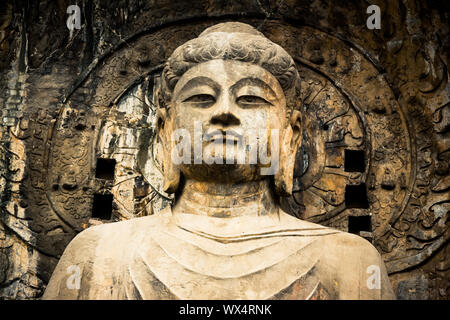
point(356, 224)
point(354, 161)
point(105, 168)
point(356, 196)
point(102, 206)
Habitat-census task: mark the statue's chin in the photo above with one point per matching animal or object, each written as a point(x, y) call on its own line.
point(222, 173)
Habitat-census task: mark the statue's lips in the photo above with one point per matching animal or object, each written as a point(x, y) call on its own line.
point(220, 136)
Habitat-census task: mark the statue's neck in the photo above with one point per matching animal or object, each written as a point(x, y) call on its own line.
point(214, 199)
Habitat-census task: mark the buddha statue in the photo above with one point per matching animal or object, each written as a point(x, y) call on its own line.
point(225, 235)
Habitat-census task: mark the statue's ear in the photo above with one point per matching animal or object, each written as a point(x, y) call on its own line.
point(170, 171)
point(161, 116)
point(290, 142)
point(297, 134)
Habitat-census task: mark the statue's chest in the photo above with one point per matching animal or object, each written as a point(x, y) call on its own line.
point(170, 268)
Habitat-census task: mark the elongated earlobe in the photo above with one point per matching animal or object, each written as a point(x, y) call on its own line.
point(171, 172)
point(284, 176)
point(171, 177)
point(297, 133)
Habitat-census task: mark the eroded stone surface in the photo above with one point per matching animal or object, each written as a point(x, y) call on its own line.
point(225, 235)
point(383, 93)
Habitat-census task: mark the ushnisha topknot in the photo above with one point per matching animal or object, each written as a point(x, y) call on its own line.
point(231, 27)
point(231, 41)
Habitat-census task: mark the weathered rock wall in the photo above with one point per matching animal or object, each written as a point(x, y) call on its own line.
point(77, 124)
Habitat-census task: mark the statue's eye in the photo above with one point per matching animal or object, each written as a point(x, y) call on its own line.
point(250, 101)
point(202, 100)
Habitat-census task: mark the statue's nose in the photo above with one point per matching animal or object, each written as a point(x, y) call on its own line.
point(226, 119)
point(224, 114)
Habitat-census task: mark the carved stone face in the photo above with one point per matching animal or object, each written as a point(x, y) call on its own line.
point(234, 100)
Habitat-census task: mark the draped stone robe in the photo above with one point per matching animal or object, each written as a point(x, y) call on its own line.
point(169, 256)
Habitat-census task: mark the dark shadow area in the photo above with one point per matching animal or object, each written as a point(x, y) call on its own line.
point(102, 206)
point(360, 223)
point(105, 169)
point(356, 196)
point(354, 161)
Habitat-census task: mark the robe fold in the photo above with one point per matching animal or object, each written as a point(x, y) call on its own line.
point(178, 256)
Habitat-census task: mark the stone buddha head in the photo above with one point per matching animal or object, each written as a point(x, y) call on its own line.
point(227, 94)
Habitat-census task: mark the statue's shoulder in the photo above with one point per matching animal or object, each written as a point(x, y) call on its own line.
point(335, 241)
point(115, 235)
point(349, 265)
point(98, 248)
point(118, 232)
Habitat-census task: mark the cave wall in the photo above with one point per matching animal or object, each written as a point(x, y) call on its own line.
point(77, 124)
